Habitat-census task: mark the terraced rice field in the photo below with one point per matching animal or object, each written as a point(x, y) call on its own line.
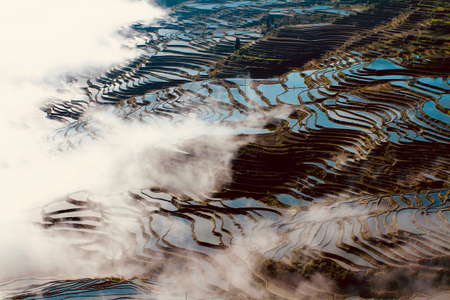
point(343, 161)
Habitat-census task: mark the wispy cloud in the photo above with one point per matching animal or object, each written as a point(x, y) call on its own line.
point(41, 43)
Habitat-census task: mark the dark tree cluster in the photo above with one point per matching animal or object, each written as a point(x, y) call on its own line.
point(168, 3)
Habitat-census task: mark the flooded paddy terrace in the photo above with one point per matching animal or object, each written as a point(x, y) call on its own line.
point(344, 160)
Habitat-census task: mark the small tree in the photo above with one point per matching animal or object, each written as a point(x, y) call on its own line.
point(338, 5)
point(268, 23)
point(237, 44)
